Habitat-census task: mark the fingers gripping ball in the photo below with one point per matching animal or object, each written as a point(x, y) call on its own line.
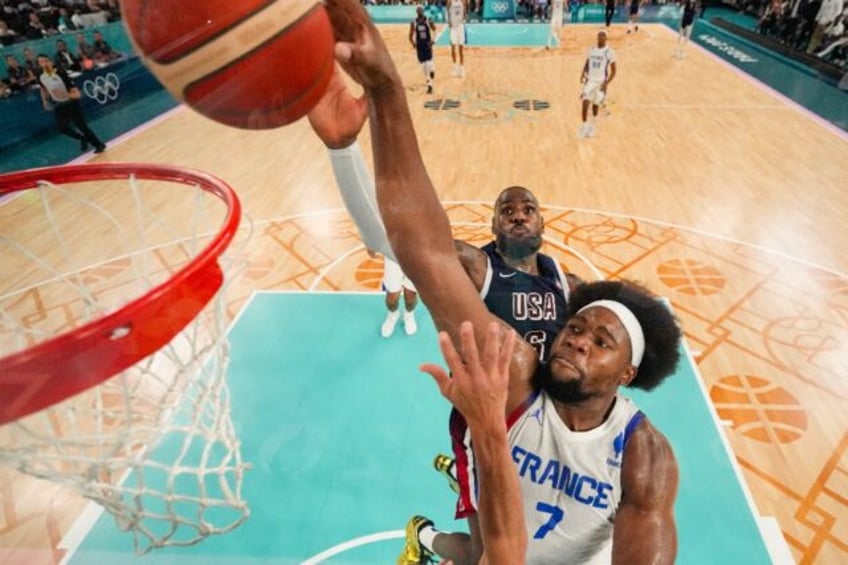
point(254, 64)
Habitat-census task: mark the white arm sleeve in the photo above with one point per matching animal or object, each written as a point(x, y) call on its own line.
point(360, 196)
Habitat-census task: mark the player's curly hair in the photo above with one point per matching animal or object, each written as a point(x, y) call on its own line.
point(659, 325)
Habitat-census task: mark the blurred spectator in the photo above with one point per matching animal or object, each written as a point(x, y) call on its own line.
point(76, 19)
point(36, 29)
point(772, 18)
point(828, 12)
point(7, 35)
point(63, 22)
point(85, 52)
point(103, 52)
point(64, 59)
point(19, 77)
point(30, 62)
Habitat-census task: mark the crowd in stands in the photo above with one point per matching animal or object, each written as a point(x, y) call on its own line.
point(22, 21)
point(818, 27)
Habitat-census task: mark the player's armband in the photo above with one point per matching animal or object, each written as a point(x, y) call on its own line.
point(360, 196)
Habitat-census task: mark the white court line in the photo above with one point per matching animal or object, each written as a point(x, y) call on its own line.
point(769, 540)
point(356, 542)
point(707, 106)
point(706, 233)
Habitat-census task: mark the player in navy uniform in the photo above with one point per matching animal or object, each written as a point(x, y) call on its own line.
point(635, 6)
point(687, 21)
point(421, 31)
point(527, 290)
point(609, 12)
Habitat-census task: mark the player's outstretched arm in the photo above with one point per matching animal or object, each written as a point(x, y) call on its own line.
point(417, 225)
point(478, 388)
point(645, 531)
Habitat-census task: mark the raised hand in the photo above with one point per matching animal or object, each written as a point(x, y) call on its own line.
point(360, 48)
point(478, 386)
point(338, 117)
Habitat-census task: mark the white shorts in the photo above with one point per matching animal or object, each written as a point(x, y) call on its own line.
point(393, 278)
point(592, 92)
point(457, 35)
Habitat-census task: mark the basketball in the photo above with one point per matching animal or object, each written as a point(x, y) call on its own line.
point(252, 64)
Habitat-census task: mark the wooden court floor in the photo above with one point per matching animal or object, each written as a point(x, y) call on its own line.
point(702, 184)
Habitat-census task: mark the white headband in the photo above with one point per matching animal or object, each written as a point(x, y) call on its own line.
point(631, 326)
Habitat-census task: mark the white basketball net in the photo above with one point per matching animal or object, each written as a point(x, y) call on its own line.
point(154, 445)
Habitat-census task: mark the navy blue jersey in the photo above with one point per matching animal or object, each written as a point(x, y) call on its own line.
point(535, 305)
point(423, 39)
point(688, 13)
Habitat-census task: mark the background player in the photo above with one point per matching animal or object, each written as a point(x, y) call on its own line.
point(421, 33)
point(456, 21)
point(556, 24)
point(395, 283)
point(687, 21)
point(598, 72)
point(635, 9)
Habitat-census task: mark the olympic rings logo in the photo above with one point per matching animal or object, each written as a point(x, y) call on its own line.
point(103, 88)
point(500, 7)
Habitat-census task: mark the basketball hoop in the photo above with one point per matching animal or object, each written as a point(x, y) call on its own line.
point(113, 350)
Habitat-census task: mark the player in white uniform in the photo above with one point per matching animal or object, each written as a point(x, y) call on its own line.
point(395, 283)
point(556, 24)
point(456, 22)
point(598, 72)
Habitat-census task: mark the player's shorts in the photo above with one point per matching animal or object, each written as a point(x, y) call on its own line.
point(466, 504)
point(457, 35)
point(687, 22)
point(425, 53)
point(634, 8)
point(592, 92)
point(393, 278)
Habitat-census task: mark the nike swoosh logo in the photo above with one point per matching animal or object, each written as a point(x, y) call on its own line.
point(507, 275)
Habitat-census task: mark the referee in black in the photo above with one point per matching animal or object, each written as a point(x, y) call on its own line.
point(60, 93)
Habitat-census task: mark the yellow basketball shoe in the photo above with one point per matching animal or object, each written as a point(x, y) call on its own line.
point(414, 553)
point(447, 467)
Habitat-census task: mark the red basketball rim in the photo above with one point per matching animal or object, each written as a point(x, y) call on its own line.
point(56, 369)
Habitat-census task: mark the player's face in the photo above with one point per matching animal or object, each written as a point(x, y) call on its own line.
point(602, 39)
point(589, 358)
point(517, 224)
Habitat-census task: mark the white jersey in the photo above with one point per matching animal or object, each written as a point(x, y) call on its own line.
point(556, 13)
point(570, 481)
point(456, 13)
point(599, 59)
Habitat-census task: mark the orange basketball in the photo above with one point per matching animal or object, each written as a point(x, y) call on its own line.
point(254, 64)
